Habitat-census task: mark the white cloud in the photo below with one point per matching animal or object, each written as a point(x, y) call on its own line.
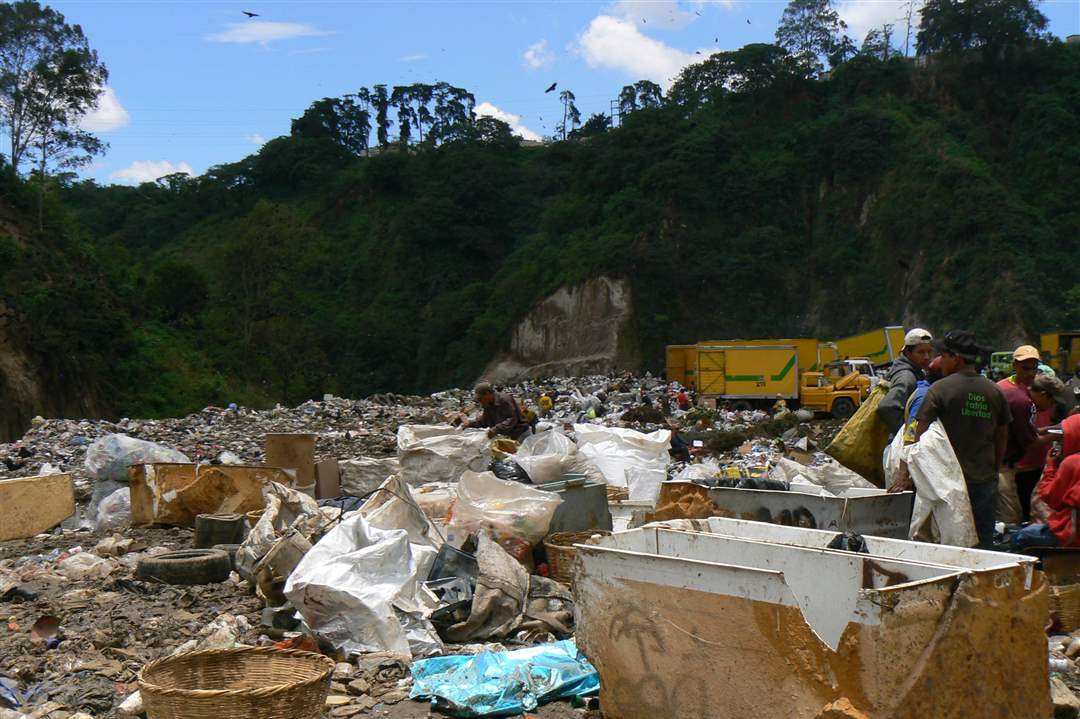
point(149, 171)
point(619, 45)
point(486, 109)
point(263, 32)
point(256, 139)
point(862, 17)
point(107, 116)
point(538, 54)
point(413, 58)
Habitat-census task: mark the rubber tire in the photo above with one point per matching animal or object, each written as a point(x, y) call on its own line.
point(229, 549)
point(741, 406)
point(843, 408)
point(188, 566)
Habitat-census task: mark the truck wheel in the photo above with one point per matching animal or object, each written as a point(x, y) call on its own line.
point(843, 408)
point(741, 406)
point(188, 566)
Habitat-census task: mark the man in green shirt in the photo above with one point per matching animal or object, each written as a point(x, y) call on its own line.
point(975, 415)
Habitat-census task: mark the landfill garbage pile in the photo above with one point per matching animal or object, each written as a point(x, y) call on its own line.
point(439, 567)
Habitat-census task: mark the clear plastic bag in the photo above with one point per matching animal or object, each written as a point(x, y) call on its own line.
point(510, 509)
point(114, 511)
point(108, 458)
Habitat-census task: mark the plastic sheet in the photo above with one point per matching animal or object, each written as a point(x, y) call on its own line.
point(507, 508)
point(833, 477)
point(440, 453)
point(549, 456)
point(942, 510)
point(360, 589)
point(504, 683)
point(614, 450)
point(109, 457)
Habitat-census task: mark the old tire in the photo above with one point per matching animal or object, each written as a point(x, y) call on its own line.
point(229, 549)
point(843, 408)
point(741, 406)
point(188, 566)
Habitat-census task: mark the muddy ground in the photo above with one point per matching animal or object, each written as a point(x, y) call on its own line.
point(111, 626)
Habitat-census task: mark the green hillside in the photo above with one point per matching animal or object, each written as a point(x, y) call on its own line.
point(751, 201)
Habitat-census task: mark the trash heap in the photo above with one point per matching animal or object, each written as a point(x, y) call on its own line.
point(427, 562)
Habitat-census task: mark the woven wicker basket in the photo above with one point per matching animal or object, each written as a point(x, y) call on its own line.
point(561, 552)
point(1065, 601)
point(246, 683)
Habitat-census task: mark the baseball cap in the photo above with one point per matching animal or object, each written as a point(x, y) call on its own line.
point(961, 343)
point(917, 337)
point(483, 388)
point(1026, 352)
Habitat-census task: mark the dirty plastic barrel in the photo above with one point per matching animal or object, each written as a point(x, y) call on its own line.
point(211, 529)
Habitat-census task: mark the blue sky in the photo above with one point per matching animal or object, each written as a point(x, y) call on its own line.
point(194, 84)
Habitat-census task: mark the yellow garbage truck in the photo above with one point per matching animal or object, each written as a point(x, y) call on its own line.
point(881, 346)
point(755, 373)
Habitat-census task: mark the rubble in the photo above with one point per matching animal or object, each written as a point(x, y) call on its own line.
point(400, 461)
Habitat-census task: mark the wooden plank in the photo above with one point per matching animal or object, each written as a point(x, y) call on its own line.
point(31, 505)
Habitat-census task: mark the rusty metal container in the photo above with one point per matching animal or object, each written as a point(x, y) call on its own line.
point(295, 452)
point(174, 493)
point(863, 511)
point(690, 624)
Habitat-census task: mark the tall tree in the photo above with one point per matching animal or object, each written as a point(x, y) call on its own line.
point(341, 119)
point(878, 43)
point(49, 79)
point(380, 100)
point(993, 26)
point(570, 112)
point(811, 30)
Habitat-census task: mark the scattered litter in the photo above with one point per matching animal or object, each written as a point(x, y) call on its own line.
point(504, 683)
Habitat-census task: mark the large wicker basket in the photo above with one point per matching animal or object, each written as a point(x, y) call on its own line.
point(561, 552)
point(245, 683)
point(1065, 601)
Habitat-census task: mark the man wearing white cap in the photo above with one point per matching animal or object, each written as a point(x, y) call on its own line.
point(904, 376)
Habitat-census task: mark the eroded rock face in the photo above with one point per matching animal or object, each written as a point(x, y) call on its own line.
point(578, 330)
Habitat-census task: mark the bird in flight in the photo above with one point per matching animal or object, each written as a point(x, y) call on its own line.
point(748, 21)
point(250, 14)
point(551, 89)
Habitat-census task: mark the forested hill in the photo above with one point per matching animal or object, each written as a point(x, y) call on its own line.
point(750, 201)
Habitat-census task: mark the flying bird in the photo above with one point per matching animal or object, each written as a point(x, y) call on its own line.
point(697, 13)
point(250, 14)
point(551, 89)
point(642, 19)
point(697, 52)
point(748, 21)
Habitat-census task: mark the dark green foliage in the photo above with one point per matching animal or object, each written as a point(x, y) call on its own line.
point(749, 202)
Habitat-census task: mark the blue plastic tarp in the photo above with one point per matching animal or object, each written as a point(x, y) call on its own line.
point(504, 683)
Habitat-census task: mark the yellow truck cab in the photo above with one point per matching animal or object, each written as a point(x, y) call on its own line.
point(840, 389)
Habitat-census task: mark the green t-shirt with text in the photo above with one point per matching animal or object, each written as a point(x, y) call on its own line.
point(970, 408)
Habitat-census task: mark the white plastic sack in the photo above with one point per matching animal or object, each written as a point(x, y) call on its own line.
point(108, 458)
point(395, 508)
point(359, 588)
point(509, 508)
point(440, 453)
point(547, 457)
point(942, 507)
point(614, 450)
point(708, 469)
point(644, 484)
point(85, 565)
point(114, 511)
point(284, 508)
point(360, 476)
point(435, 498)
point(834, 477)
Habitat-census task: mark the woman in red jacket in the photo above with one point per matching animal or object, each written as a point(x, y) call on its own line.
point(1060, 489)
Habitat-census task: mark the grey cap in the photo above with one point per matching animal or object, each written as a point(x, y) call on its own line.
point(483, 388)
